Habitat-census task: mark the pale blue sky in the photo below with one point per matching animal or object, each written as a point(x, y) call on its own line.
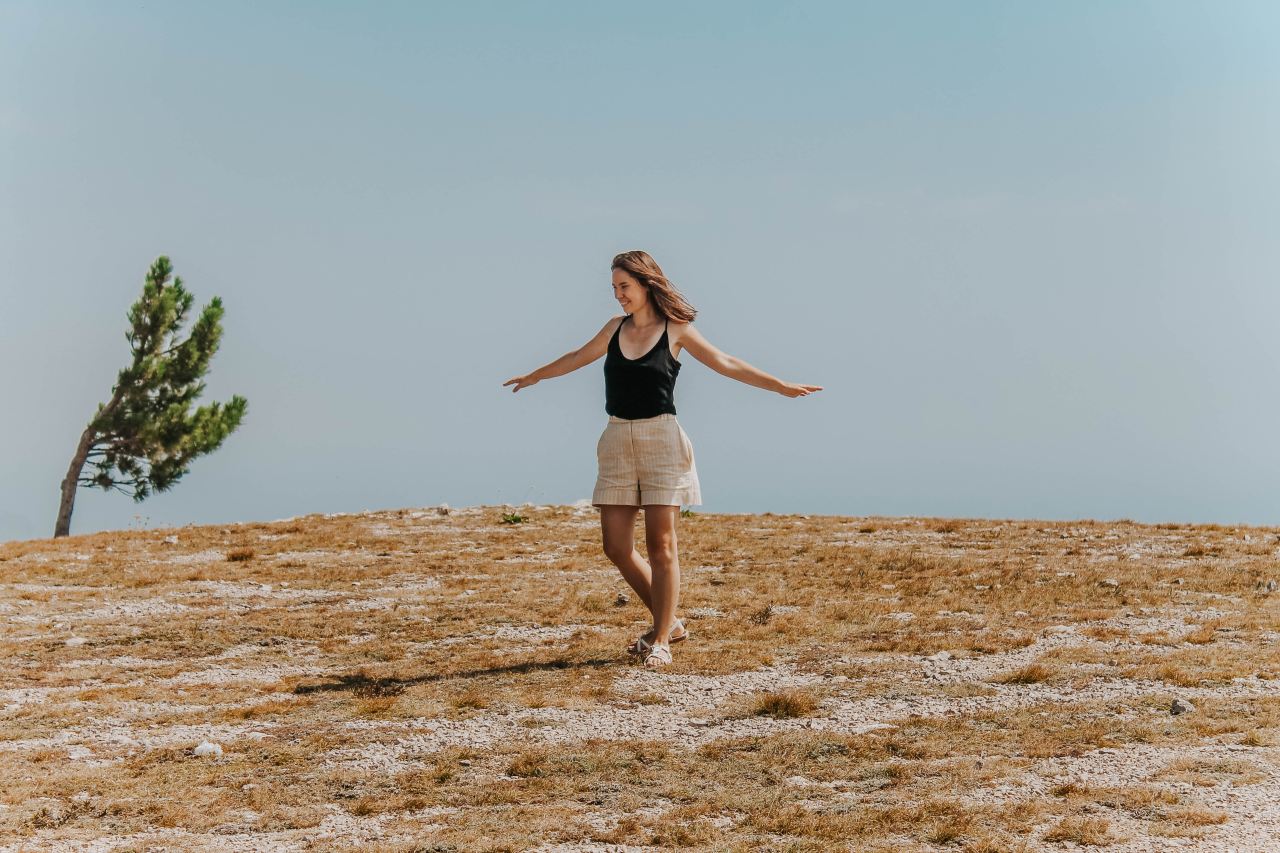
point(1028, 248)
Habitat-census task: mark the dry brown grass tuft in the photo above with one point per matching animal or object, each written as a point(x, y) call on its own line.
point(1032, 673)
point(784, 704)
point(1087, 831)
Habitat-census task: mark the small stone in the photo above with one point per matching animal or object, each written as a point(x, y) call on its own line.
point(206, 748)
point(443, 509)
point(621, 600)
point(75, 641)
point(465, 762)
point(943, 655)
point(1180, 706)
point(1111, 582)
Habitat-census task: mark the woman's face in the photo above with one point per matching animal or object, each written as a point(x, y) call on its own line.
point(631, 294)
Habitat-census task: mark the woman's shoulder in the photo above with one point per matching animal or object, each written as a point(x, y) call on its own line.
point(611, 326)
point(677, 330)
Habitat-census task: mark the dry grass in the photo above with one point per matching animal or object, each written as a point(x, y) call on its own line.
point(404, 678)
point(1087, 831)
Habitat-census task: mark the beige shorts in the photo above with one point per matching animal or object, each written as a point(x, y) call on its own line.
point(645, 461)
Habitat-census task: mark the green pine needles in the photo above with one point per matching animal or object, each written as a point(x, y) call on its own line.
point(144, 438)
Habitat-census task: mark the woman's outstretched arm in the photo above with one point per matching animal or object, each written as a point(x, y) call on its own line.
point(736, 368)
point(570, 361)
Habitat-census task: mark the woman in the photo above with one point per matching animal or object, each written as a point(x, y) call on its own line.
point(644, 456)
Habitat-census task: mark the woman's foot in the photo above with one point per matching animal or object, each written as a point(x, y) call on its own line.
point(642, 644)
point(658, 656)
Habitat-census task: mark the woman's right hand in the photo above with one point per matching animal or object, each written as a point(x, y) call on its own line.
point(521, 382)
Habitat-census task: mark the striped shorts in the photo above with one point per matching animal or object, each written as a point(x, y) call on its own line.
point(646, 461)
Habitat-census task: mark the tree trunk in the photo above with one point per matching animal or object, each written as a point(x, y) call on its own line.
point(72, 481)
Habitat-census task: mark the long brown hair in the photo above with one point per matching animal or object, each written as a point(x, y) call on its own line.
point(667, 301)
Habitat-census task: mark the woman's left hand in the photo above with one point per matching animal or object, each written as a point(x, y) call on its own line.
point(791, 389)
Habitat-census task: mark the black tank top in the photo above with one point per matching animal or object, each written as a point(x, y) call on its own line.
point(641, 387)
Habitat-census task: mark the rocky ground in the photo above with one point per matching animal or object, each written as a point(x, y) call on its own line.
point(429, 680)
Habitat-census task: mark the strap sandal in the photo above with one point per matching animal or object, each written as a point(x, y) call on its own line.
point(640, 646)
point(658, 656)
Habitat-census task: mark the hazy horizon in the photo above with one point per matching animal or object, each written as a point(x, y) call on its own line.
point(1027, 250)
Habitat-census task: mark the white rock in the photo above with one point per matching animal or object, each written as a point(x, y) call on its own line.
point(943, 655)
point(208, 749)
point(1112, 582)
point(75, 641)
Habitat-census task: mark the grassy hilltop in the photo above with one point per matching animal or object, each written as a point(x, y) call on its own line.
point(410, 681)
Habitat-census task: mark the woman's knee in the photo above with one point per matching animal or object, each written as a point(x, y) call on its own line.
point(662, 550)
point(618, 551)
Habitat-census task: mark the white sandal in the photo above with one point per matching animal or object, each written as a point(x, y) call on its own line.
point(640, 646)
point(658, 656)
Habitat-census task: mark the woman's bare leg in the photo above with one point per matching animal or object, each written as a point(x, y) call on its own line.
point(660, 539)
point(618, 527)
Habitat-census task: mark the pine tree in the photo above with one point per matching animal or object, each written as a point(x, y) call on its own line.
point(144, 438)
